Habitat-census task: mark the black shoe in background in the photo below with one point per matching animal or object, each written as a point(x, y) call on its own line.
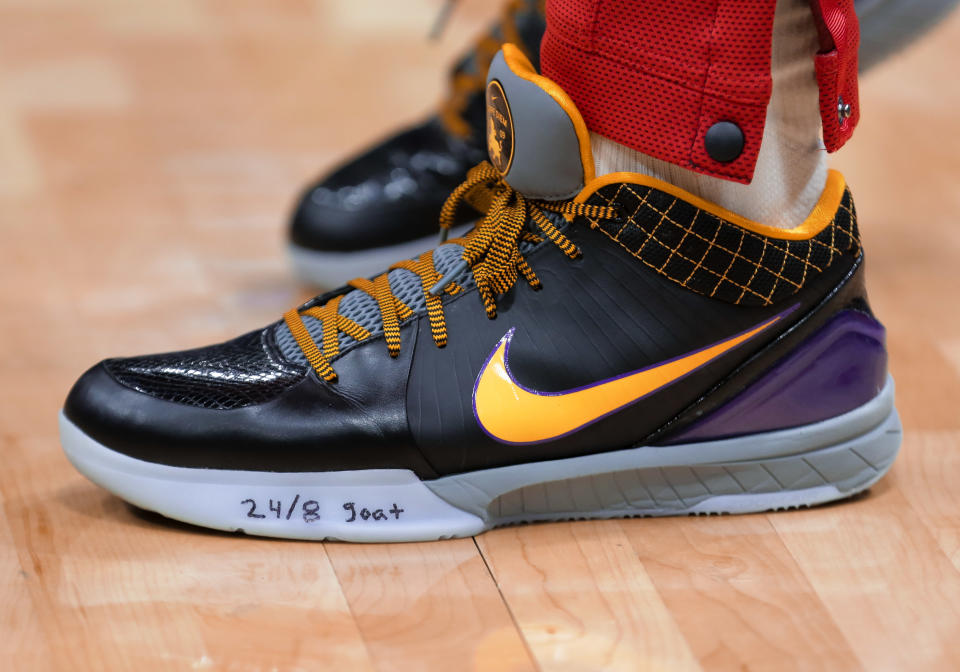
point(383, 204)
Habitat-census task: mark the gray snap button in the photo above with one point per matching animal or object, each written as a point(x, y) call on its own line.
point(844, 110)
point(724, 141)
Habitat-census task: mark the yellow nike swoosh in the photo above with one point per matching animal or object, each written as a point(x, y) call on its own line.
point(511, 413)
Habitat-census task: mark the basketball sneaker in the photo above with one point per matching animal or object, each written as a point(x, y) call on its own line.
point(382, 205)
point(595, 346)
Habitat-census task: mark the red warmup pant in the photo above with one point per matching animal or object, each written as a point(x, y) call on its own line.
point(658, 75)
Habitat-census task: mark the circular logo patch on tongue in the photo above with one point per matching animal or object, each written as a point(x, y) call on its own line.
point(499, 128)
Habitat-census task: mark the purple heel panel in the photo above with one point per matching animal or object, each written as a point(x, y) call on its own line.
point(841, 367)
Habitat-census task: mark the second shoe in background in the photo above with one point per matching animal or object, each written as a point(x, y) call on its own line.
point(384, 203)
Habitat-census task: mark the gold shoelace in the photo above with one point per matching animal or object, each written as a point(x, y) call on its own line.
point(491, 250)
point(465, 84)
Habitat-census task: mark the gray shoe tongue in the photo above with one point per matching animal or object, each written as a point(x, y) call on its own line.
point(536, 137)
point(362, 308)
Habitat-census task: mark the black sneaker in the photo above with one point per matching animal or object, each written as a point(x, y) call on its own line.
point(383, 205)
point(594, 347)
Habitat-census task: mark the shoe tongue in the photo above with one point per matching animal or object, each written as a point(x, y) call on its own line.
point(538, 141)
point(536, 137)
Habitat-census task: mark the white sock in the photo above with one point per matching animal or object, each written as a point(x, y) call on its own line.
point(791, 167)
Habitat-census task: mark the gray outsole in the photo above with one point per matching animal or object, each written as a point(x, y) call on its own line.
point(791, 468)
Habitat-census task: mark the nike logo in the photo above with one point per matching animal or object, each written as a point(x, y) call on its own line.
point(511, 413)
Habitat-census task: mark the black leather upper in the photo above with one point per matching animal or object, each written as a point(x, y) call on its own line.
point(597, 317)
point(312, 425)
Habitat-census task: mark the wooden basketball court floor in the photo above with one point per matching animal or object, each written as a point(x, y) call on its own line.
point(149, 154)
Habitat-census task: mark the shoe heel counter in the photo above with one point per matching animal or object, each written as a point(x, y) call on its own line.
point(837, 369)
point(855, 289)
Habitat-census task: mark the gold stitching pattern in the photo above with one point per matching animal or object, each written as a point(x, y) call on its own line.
point(715, 257)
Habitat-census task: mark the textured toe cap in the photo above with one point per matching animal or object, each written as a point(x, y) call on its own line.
point(235, 407)
point(245, 371)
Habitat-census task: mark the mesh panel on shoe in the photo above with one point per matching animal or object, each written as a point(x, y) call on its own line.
point(714, 257)
point(230, 375)
point(362, 308)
